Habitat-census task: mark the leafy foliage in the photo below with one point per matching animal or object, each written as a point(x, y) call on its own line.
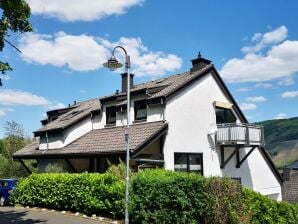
point(100, 194)
point(55, 168)
point(228, 207)
point(15, 139)
point(119, 170)
point(159, 196)
point(264, 210)
point(14, 19)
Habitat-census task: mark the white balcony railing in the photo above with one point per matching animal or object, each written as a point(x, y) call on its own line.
point(244, 134)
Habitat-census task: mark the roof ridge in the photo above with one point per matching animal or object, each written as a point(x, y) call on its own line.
point(164, 78)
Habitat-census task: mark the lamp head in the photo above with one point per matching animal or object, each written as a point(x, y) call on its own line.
point(112, 64)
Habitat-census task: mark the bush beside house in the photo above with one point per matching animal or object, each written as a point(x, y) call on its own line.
point(263, 210)
point(85, 193)
point(157, 196)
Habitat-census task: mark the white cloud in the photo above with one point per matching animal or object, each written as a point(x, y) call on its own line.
point(5, 77)
point(281, 116)
point(81, 10)
point(286, 81)
point(55, 106)
point(247, 106)
point(256, 99)
point(79, 53)
point(87, 53)
point(264, 85)
point(272, 37)
point(290, 94)
point(17, 97)
point(3, 111)
point(144, 61)
point(279, 61)
point(256, 37)
point(244, 89)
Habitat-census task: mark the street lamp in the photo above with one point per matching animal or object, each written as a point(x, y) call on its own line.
point(114, 64)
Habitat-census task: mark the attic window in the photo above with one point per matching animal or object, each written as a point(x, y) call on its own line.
point(140, 108)
point(224, 115)
point(111, 115)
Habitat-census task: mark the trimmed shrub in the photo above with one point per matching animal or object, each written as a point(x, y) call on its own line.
point(100, 194)
point(228, 206)
point(264, 210)
point(160, 196)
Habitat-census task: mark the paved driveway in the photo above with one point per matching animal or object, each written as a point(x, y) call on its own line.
point(9, 215)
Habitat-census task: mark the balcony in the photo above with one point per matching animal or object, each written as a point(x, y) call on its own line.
point(240, 134)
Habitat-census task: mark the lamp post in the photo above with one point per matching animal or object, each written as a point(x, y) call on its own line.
point(114, 64)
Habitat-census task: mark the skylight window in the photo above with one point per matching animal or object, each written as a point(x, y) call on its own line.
point(71, 115)
point(160, 81)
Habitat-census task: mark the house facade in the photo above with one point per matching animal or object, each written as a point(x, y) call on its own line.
point(185, 122)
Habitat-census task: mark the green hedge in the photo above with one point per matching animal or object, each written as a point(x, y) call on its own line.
point(157, 196)
point(160, 196)
point(263, 210)
point(228, 207)
point(86, 193)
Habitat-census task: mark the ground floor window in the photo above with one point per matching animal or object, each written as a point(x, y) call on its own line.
point(189, 162)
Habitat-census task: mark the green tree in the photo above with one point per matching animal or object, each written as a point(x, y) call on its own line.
point(15, 139)
point(1, 146)
point(14, 19)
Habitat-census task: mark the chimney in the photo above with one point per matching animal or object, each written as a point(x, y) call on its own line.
point(199, 63)
point(124, 81)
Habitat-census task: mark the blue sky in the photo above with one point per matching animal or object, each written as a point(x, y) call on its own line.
point(253, 44)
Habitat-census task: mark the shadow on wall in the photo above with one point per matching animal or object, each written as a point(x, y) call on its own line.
point(17, 217)
point(230, 170)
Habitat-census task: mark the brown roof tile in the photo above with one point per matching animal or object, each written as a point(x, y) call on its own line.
point(106, 140)
point(160, 88)
point(81, 110)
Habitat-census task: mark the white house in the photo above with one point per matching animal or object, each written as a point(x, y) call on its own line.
point(185, 122)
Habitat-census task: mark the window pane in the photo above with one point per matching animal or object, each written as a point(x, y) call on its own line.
point(195, 162)
point(111, 115)
point(230, 118)
point(224, 116)
point(140, 110)
point(180, 163)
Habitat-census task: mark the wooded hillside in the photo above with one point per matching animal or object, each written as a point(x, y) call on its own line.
point(281, 138)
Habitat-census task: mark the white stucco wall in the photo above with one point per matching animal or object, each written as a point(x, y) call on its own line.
point(77, 130)
point(155, 113)
point(54, 142)
point(74, 132)
point(254, 173)
point(191, 115)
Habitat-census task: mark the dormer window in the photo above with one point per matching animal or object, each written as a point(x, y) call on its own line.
point(224, 115)
point(111, 115)
point(140, 109)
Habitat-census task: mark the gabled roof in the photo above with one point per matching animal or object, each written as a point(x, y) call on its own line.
point(99, 141)
point(79, 111)
point(164, 88)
